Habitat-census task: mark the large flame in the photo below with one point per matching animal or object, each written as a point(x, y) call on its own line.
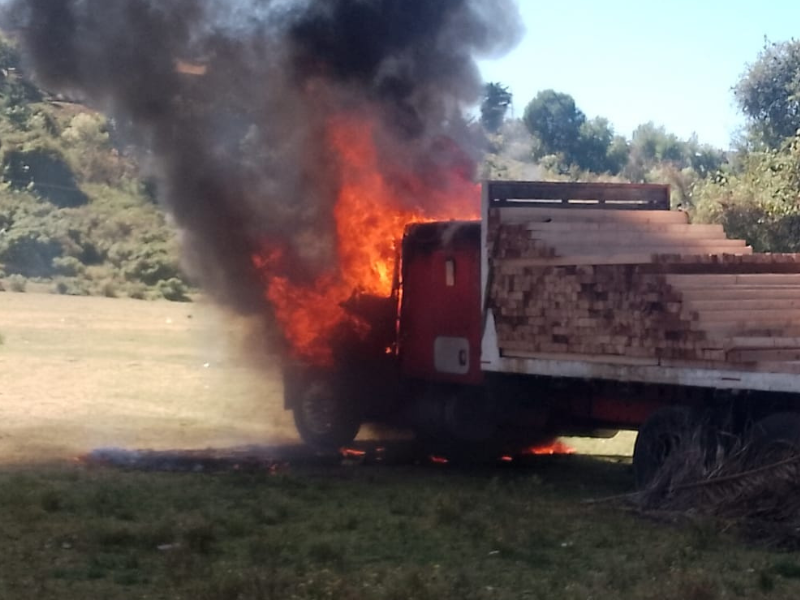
point(370, 215)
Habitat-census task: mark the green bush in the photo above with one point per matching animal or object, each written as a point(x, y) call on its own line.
point(44, 170)
point(68, 266)
point(109, 289)
point(174, 290)
point(87, 142)
point(17, 283)
point(757, 202)
point(29, 252)
point(152, 264)
point(9, 55)
point(16, 93)
point(71, 286)
point(136, 290)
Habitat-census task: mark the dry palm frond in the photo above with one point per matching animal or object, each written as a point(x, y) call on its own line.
point(756, 488)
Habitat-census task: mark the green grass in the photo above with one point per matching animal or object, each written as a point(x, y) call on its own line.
point(362, 533)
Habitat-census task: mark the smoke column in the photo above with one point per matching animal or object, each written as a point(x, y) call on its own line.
point(239, 151)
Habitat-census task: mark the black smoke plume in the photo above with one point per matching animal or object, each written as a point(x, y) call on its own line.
point(238, 149)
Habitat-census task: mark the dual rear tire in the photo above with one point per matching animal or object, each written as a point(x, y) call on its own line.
point(663, 435)
point(675, 431)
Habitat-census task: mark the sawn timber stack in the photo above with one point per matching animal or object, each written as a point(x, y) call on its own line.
point(638, 287)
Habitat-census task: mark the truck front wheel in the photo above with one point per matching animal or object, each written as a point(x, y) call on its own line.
point(323, 420)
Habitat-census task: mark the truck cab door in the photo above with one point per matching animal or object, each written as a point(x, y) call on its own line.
point(440, 317)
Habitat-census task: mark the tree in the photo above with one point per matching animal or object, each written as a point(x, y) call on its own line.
point(594, 138)
point(599, 150)
point(496, 100)
point(554, 120)
point(758, 201)
point(9, 56)
point(618, 154)
point(704, 159)
point(769, 93)
point(653, 144)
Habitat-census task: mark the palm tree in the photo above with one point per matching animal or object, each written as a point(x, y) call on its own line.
point(496, 100)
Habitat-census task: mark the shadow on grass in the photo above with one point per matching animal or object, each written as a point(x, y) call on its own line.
point(575, 475)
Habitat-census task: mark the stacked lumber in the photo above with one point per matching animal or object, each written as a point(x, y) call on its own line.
point(639, 287)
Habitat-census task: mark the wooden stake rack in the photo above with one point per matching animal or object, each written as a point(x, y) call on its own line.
point(634, 285)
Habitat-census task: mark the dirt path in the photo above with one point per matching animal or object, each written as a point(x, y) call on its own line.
point(80, 373)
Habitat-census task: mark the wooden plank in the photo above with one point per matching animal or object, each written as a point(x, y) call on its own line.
point(614, 259)
point(764, 355)
point(762, 342)
point(627, 259)
point(611, 227)
point(580, 249)
point(735, 302)
point(644, 242)
point(748, 329)
point(749, 279)
point(749, 316)
point(592, 215)
point(741, 292)
point(630, 236)
point(651, 195)
point(608, 359)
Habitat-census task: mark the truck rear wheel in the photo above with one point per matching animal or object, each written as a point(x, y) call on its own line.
point(663, 434)
point(323, 420)
point(773, 438)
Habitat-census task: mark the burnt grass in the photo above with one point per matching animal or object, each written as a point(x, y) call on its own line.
point(363, 532)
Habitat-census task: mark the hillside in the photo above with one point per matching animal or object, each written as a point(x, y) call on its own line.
point(76, 211)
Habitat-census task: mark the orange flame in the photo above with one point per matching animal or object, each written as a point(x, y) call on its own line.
point(370, 216)
point(352, 453)
point(557, 447)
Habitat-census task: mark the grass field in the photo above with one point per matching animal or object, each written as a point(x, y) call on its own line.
point(78, 373)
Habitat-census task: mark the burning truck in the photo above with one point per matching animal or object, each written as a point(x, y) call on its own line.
point(294, 143)
point(565, 309)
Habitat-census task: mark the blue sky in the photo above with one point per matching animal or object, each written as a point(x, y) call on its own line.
point(673, 63)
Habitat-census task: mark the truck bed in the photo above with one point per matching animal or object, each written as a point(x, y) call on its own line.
point(622, 288)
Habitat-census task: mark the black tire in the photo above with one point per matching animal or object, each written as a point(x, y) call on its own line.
point(661, 436)
point(469, 418)
point(323, 420)
point(772, 438)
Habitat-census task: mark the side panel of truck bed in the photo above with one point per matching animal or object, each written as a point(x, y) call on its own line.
point(624, 289)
